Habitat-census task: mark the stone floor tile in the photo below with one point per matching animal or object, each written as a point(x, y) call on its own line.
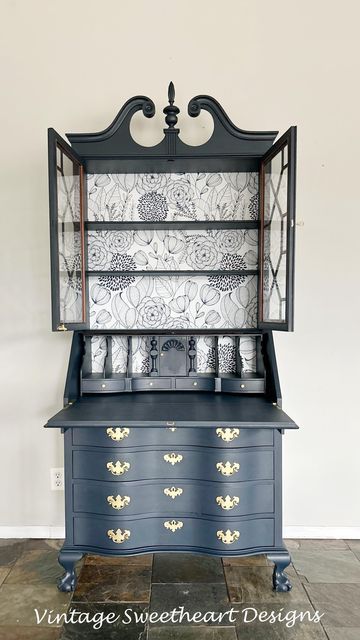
point(354, 545)
point(341, 633)
point(337, 566)
point(278, 631)
point(4, 571)
point(35, 567)
point(29, 633)
point(181, 567)
point(258, 561)
point(135, 630)
point(254, 584)
point(191, 633)
point(315, 544)
point(18, 601)
point(10, 550)
point(109, 583)
point(193, 597)
point(340, 603)
point(43, 544)
point(145, 560)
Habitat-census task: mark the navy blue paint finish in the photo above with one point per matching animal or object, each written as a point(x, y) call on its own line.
point(195, 464)
point(198, 498)
point(172, 436)
point(195, 533)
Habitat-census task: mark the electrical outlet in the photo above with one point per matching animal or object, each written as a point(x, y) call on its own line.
point(57, 479)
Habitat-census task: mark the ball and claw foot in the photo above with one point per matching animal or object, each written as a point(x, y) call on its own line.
point(281, 582)
point(67, 559)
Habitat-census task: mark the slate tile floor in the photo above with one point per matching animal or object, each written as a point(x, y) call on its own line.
point(325, 576)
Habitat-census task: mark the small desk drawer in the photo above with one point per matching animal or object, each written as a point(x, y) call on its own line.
point(104, 385)
point(200, 384)
point(241, 385)
point(185, 496)
point(202, 463)
point(174, 532)
point(170, 436)
point(152, 384)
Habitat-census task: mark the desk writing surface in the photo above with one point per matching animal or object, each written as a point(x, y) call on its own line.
point(185, 409)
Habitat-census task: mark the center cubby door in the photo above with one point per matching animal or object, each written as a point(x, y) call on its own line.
point(277, 234)
point(67, 213)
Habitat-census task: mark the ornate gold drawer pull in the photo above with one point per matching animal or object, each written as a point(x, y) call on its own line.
point(173, 458)
point(173, 525)
point(118, 434)
point(228, 537)
point(228, 469)
point(119, 535)
point(119, 502)
point(228, 434)
point(173, 492)
point(227, 503)
point(118, 468)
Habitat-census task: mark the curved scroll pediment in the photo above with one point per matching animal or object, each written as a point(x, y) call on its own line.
point(115, 149)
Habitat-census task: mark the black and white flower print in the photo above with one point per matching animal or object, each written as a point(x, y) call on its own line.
point(118, 283)
point(172, 250)
point(173, 196)
point(175, 302)
point(229, 282)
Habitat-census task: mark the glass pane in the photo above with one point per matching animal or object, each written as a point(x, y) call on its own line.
point(175, 302)
point(157, 250)
point(148, 197)
point(275, 237)
point(69, 211)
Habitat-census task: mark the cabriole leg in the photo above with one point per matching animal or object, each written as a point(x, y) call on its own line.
point(67, 559)
point(280, 580)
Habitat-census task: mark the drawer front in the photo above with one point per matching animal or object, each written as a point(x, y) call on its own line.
point(155, 436)
point(232, 385)
point(201, 463)
point(153, 384)
point(188, 384)
point(102, 386)
point(139, 498)
point(124, 534)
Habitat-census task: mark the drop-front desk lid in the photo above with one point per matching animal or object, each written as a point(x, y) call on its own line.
point(178, 408)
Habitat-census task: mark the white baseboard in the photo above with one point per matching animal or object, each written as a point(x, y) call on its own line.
point(347, 533)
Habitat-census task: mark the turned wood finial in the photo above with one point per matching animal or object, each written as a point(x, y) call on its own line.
point(171, 111)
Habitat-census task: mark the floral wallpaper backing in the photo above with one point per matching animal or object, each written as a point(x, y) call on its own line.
point(158, 197)
point(205, 354)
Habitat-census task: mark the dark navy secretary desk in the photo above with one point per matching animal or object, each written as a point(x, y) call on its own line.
point(172, 265)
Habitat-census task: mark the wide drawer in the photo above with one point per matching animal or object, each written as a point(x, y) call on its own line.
point(241, 385)
point(201, 463)
point(201, 498)
point(181, 533)
point(200, 384)
point(154, 436)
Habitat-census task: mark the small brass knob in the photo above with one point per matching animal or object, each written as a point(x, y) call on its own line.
point(242, 386)
point(151, 384)
point(103, 386)
point(195, 384)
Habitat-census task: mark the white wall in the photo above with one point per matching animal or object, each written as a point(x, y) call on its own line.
point(71, 65)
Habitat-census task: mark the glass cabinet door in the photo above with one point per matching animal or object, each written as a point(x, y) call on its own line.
point(277, 234)
point(66, 190)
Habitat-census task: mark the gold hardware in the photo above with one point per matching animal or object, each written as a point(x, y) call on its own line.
point(228, 537)
point(170, 423)
point(118, 468)
point(173, 458)
point(117, 434)
point(119, 535)
point(194, 384)
point(173, 525)
point(103, 386)
point(119, 502)
point(173, 492)
point(242, 386)
point(227, 503)
point(161, 354)
point(228, 434)
point(171, 429)
point(62, 327)
point(151, 384)
point(227, 469)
